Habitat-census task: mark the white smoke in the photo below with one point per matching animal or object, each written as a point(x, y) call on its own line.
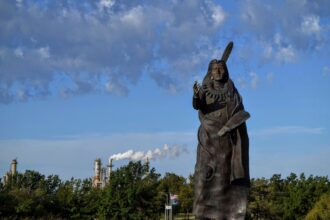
point(155, 154)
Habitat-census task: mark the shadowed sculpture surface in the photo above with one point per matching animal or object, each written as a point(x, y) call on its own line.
point(222, 168)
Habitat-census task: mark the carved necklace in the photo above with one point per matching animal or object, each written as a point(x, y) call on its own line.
point(219, 94)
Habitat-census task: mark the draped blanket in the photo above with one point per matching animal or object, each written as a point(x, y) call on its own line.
point(222, 168)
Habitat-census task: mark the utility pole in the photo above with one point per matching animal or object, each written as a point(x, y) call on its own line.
point(168, 208)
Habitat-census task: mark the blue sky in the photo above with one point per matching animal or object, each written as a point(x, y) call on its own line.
point(87, 79)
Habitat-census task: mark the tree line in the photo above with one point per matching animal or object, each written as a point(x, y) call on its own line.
point(136, 191)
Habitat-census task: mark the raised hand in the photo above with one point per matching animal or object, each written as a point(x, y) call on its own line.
point(196, 87)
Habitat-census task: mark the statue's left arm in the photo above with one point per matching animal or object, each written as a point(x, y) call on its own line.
point(238, 116)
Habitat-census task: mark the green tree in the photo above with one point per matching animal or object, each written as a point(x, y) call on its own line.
point(172, 183)
point(186, 196)
point(27, 194)
point(321, 210)
point(302, 195)
point(261, 204)
point(289, 198)
point(131, 194)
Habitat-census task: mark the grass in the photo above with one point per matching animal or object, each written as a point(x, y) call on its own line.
point(181, 216)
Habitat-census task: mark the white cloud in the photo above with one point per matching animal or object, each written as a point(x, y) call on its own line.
point(118, 43)
point(286, 54)
point(218, 15)
point(301, 27)
point(134, 17)
point(19, 3)
point(277, 39)
point(21, 95)
point(19, 52)
point(44, 52)
point(116, 88)
point(254, 80)
point(283, 53)
point(311, 24)
point(106, 3)
point(268, 51)
point(109, 86)
point(257, 17)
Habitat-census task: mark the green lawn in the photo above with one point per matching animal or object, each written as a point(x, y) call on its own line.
point(181, 216)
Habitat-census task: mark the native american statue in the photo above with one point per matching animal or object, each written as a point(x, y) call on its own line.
point(222, 178)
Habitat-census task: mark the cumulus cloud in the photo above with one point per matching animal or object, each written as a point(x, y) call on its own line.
point(285, 54)
point(311, 25)
point(111, 43)
point(105, 4)
point(19, 3)
point(283, 28)
point(44, 52)
point(268, 51)
point(250, 81)
point(66, 48)
point(18, 52)
point(218, 14)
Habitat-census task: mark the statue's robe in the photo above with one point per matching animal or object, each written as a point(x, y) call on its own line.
point(222, 168)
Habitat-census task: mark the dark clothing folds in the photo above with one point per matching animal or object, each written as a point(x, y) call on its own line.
point(222, 169)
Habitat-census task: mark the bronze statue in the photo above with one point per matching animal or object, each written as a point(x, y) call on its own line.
point(222, 169)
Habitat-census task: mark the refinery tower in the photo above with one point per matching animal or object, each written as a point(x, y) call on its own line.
point(12, 171)
point(101, 174)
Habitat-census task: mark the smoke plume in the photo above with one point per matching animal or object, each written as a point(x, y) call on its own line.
point(166, 151)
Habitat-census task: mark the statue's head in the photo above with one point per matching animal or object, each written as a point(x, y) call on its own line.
point(218, 70)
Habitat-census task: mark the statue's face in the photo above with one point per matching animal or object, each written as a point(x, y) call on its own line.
point(218, 71)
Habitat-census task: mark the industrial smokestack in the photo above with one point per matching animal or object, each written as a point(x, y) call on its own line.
point(109, 169)
point(13, 167)
point(97, 173)
point(97, 168)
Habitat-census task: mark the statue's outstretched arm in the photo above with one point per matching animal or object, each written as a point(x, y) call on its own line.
point(198, 100)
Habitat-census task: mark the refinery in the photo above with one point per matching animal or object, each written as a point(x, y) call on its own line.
point(100, 179)
point(101, 174)
point(11, 172)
